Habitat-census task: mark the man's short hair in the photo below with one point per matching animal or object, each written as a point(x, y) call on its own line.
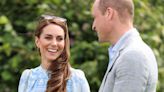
point(125, 8)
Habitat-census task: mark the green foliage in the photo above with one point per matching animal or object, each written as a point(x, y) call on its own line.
point(17, 49)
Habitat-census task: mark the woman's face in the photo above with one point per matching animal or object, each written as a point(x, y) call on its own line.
point(51, 42)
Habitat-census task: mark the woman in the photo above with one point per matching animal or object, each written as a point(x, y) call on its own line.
point(54, 73)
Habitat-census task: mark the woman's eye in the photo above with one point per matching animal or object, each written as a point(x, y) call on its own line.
point(48, 38)
point(60, 38)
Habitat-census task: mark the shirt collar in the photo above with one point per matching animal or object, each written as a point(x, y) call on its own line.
point(44, 71)
point(121, 40)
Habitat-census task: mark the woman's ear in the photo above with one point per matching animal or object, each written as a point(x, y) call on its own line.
point(37, 42)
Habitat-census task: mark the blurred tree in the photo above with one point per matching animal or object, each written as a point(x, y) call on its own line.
point(18, 20)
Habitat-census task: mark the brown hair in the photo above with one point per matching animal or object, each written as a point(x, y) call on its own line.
point(59, 68)
point(125, 8)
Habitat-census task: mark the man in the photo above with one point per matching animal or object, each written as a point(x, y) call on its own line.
point(132, 66)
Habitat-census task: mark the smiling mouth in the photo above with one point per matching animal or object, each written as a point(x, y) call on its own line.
point(52, 50)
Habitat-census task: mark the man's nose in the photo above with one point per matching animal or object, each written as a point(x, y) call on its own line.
point(93, 27)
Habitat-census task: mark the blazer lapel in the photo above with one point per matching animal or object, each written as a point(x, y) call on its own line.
point(113, 61)
point(108, 70)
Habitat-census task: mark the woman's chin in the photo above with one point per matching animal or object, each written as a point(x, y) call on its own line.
point(51, 58)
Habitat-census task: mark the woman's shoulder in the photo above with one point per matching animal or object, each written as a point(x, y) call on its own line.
point(78, 73)
point(25, 73)
point(30, 70)
point(33, 72)
point(78, 81)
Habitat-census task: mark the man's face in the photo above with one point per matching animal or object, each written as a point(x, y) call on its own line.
point(99, 23)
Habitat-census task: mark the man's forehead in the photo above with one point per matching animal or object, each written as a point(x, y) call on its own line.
point(94, 6)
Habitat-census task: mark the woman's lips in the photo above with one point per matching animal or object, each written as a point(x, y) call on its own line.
point(52, 50)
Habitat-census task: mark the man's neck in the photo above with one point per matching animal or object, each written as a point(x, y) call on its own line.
point(119, 32)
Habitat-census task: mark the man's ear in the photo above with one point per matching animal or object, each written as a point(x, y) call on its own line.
point(37, 42)
point(109, 13)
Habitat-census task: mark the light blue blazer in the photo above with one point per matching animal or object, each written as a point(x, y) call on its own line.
point(133, 68)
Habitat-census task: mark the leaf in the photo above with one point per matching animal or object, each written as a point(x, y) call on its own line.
point(6, 75)
point(4, 20)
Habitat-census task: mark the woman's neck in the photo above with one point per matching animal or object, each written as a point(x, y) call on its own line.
point(45, 64)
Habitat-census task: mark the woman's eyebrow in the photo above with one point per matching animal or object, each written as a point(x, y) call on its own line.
point(48, 34)
point(59, 35)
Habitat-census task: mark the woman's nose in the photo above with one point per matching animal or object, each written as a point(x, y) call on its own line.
point(54, 42)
